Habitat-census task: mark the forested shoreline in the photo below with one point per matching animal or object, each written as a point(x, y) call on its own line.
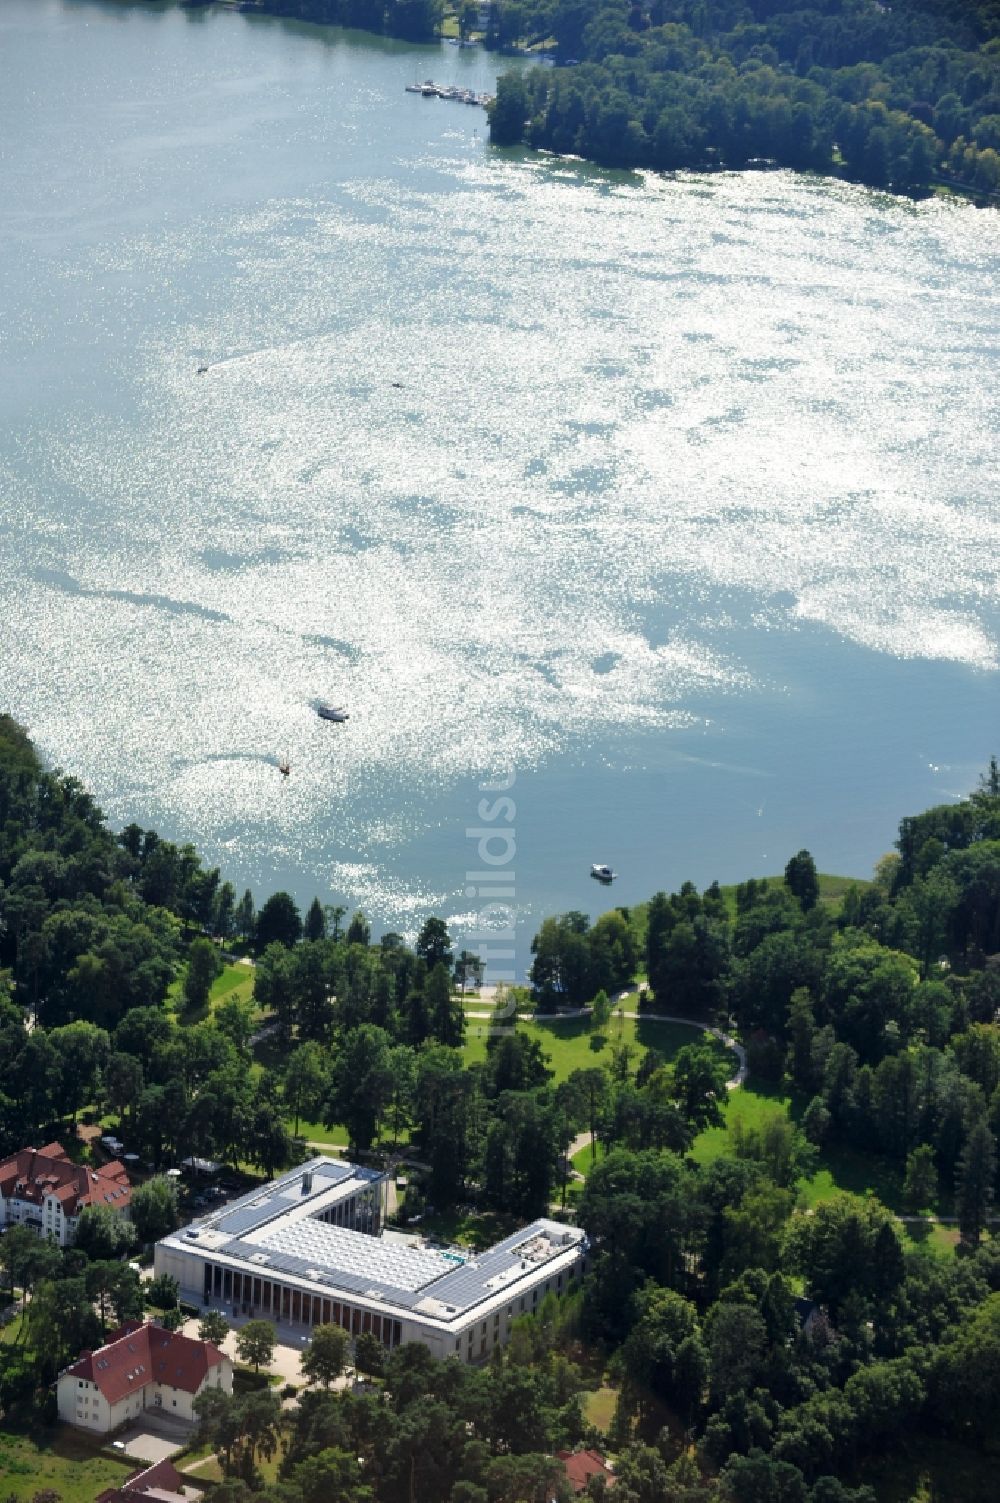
point(898, 96)
point(892, 96)
point(767, 1335)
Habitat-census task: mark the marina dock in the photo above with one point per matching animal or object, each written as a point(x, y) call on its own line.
point(431, 90)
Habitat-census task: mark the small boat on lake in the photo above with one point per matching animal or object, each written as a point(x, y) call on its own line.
point(602, 873)
point(332, 712)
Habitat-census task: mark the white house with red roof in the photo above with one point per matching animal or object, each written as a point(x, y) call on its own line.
point(43, 1189)
point(140, 1367)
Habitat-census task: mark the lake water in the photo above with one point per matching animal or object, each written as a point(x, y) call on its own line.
point(677, 498)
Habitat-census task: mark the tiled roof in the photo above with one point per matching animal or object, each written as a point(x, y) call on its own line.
point(582, 1465)
point(162, 1480)
point(139, 1354)
point(34, 1173)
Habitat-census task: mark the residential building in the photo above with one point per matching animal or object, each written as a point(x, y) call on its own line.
point(159, 1483)
point(42, 1188)
point(580, 1466)
point(310, 1249)
point(140, 1367)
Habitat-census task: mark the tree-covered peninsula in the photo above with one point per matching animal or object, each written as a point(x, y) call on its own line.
point(896, 95)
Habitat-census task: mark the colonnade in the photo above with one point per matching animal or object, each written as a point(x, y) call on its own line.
point(251, 1294)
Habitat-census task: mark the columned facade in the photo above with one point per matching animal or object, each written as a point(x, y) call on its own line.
point(249, 1294)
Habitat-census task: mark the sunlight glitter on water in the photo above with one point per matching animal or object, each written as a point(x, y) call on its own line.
point(470, 427)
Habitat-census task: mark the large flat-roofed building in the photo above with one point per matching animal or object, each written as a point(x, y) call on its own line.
point(309, 1249)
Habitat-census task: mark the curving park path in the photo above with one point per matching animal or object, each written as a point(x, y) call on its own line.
point(488, 993)
point(739, 1075)
point(738, 1078)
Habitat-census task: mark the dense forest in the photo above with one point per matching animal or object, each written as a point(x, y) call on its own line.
point(767, 1335)
point(892, 95)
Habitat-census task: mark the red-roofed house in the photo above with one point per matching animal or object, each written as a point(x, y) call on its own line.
point(162, 1482)
point(140, 1367)
point(43, 1188)
point(582, 1465)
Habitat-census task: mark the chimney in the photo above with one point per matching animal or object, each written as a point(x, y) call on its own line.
point(307, 1182)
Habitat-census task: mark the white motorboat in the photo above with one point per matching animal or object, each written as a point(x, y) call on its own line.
point(602, 873)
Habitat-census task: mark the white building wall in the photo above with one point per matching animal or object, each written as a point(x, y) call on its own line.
point(187, 1268)
point(82, 1404)
point(128, 1408)
point(178, 1402)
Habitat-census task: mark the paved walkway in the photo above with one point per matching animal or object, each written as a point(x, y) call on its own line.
point(287, 1363)
point(154, 1436)
point(742, 1071)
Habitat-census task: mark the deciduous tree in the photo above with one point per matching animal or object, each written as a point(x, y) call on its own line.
point(325, 1358)
point(255, 1343)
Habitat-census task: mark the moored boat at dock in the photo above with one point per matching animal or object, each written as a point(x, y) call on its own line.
point(431, 90)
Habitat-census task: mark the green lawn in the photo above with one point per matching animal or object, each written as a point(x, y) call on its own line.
point(583, 1161)
point(11, 1331)
point(60, 1459)
point(232, 981)
point(839, 1168)
point(208, 1470)
point(847, 1169)
point(750, 1104)
point(569, 1042)
point(938, 1239)
point(831, 889)
point(233, 978)
point(599, 1407)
